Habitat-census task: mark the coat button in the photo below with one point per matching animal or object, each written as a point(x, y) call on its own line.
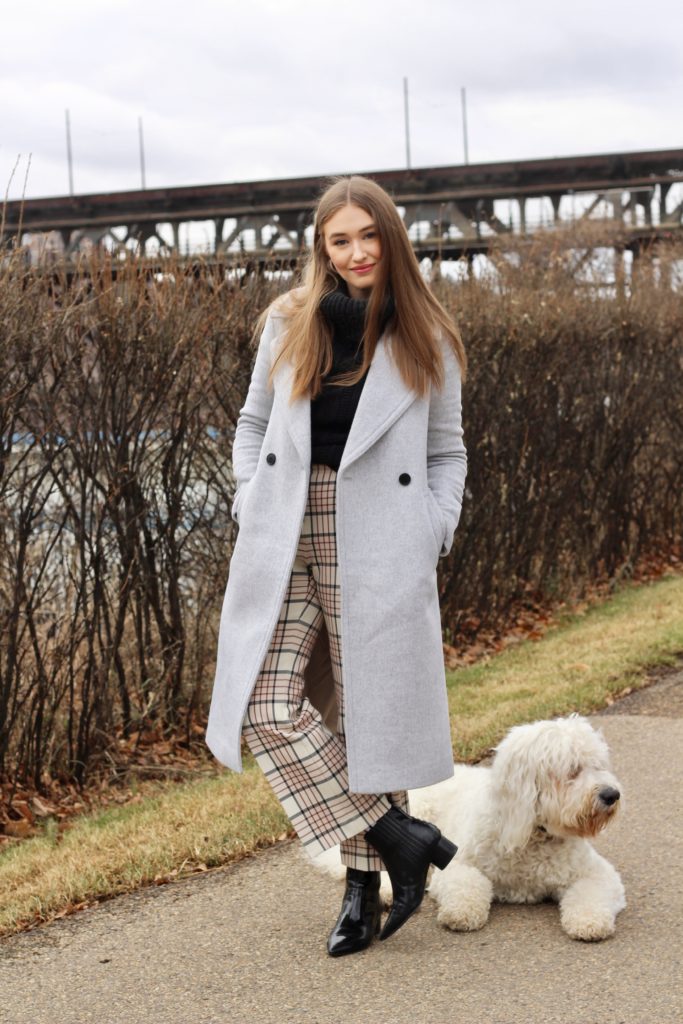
point(404, 478)
point(270, 458)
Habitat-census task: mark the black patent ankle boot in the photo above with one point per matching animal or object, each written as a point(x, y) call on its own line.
point(359, 920)
point(408, 846)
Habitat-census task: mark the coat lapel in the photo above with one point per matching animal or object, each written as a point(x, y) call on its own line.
point(297, 416)
point(383, 399)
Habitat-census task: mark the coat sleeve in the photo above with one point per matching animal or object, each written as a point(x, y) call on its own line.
point(446, 452)
point(253, 417)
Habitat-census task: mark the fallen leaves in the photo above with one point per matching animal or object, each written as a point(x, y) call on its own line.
point(18, 829)
point(612, 698)
point(133, 768)
point(188, 867)
point(528, 622)
point(530, 618)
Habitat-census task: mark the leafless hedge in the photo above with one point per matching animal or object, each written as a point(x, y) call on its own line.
point(119, 398)
point(119, 401)
point(574, 427)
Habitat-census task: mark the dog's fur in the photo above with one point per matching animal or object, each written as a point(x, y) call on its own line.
point(522, 829)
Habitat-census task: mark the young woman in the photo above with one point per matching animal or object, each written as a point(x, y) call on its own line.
point(350, 469)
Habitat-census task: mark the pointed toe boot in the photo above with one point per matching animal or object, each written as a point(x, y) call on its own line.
point(361, 911)
point(408, 846)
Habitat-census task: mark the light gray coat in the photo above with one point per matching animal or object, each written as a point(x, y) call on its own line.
point(398, 499)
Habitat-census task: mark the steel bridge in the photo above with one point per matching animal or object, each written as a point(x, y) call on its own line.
point(449, 211)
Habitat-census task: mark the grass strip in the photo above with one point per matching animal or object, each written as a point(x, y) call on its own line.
point(183, 829)
point(577, 665)
point(189, 827)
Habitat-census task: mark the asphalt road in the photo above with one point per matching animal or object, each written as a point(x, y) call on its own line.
point(246, 943)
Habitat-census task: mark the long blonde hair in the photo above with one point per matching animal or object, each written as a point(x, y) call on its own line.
point(418, 319)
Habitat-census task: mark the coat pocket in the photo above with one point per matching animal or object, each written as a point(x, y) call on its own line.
point(436, 520)
point(238, 501)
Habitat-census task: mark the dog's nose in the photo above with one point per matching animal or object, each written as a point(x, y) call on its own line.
point(609, 795)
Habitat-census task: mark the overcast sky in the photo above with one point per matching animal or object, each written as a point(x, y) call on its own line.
point(233, 91)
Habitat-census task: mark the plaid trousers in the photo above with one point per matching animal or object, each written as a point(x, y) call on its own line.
point(302, 759)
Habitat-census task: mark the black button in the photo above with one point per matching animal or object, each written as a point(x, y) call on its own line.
point(270, 458)
point(404, 478)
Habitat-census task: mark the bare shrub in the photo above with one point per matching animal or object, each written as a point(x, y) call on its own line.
point(121, 392)
point(121, 385)
point(573, 423)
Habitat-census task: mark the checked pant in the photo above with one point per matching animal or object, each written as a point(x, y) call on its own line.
point(302, 759)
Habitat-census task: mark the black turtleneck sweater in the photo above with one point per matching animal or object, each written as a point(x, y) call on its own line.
point(333, 410)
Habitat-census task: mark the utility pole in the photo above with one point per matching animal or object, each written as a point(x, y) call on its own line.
point(463, 100)
point(69, 157)
point(142, 153)
point(407, 121)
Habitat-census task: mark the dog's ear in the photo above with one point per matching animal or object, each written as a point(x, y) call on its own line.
point(515, 789)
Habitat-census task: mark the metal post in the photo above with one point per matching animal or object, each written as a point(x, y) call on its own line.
point(463, 101)
point(69, 157)
point(407, 121)
point(142, 153)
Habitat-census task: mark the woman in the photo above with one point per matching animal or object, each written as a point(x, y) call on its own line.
point(350, 467)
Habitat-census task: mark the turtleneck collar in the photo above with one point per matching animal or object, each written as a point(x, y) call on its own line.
point(341, 310)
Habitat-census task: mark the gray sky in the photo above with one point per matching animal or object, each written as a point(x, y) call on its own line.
point(232, 90)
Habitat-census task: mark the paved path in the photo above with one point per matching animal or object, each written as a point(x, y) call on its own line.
point(245, 943)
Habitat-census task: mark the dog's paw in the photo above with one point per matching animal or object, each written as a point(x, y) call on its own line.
point(588, 925)
point(463, 896)
point(463, 919)
point(589, 908)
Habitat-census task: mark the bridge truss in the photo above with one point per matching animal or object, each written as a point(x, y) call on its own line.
point(448, 211)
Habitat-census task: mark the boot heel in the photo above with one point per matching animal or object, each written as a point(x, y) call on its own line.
point(443, 853)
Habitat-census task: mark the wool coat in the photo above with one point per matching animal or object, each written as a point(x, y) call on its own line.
point(399, 492)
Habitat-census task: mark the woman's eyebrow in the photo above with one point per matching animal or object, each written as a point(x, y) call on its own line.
point(343, 234)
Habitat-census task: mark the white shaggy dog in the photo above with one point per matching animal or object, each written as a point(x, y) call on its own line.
point(522, 829)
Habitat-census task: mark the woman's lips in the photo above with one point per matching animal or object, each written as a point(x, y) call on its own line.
point(364, 270)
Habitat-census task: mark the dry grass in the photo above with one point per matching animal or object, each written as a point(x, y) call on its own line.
point(187, 828)
point(578, 666)
point(181, 830)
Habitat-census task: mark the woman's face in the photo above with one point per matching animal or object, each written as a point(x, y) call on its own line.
point(353, 245)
